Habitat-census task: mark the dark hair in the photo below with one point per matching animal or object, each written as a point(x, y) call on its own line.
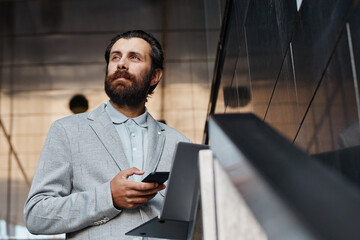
point(157, 56)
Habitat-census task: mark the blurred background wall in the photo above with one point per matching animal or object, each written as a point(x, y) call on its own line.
point(51, 50)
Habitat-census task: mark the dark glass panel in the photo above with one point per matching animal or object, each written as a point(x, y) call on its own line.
point(344, 161)
point(269, 27)
point(228, 95)
point(283, 110)
point(354, 32)
point(319, 28)
point(231, 49)
point(334, 108)
point(240, 88)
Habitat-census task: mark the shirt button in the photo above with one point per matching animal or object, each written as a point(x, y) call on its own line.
point(134, 149)
point(133, 134)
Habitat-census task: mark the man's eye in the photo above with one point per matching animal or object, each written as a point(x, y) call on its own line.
point(135, 57)
point(115, 57)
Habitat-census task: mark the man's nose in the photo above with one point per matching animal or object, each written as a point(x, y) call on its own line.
point(123, 64)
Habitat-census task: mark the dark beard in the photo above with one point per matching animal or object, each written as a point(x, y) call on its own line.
point(131, 96)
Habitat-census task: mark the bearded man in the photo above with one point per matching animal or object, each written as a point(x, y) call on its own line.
point(88, 180)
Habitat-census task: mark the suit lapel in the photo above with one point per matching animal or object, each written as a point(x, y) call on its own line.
point(156, 140)
point(107, 134)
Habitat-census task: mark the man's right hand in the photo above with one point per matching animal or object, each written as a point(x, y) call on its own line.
point(129, 194)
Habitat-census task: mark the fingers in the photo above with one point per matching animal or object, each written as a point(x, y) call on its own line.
point(134, 198)
point(139, 193)
point(138, 201)
point(141, 186)
point(129, 194)
point(131, 171)
point(140, 198)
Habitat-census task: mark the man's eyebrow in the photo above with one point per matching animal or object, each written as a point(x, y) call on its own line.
point(130, 53)
point(114, 52)
point(136, 53)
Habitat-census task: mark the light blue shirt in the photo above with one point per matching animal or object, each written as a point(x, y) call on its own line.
point(133, 136)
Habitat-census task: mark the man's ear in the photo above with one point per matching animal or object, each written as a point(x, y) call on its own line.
point(156, 76)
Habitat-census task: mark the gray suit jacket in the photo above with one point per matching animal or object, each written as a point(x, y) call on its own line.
point(71, 193)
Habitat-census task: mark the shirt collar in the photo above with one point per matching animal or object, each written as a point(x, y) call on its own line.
point(118, 118)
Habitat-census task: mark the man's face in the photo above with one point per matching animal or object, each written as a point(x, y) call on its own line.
point(129, 72)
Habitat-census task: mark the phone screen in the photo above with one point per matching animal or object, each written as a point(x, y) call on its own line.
point(159, 177)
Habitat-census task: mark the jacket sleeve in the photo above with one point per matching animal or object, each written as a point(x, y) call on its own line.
point(51, 207)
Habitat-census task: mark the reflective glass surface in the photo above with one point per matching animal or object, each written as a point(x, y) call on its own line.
point(299, 68)
point(269, 26)
point(283, 112)
point(317, 32)
point(302, 67)
point(334, 108)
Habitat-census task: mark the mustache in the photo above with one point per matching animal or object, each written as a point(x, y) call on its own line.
point(122, 74)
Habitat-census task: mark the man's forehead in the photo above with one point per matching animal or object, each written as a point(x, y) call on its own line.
point(132, 45)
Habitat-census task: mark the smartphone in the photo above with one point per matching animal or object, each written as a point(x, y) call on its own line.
point(159, 177)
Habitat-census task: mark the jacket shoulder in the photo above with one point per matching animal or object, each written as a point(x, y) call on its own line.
point(80, 118)
point(171, 132)
point(168, 131)
point(72, 121)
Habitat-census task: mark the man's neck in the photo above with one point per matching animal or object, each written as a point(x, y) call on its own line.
point(130, 112)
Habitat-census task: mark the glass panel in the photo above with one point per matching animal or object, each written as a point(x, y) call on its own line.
point(231, 47)
point(354, 35)
point(269, 26)
point(319, 28)
point(333, 112)
point(240, 90)
point(283, 110)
